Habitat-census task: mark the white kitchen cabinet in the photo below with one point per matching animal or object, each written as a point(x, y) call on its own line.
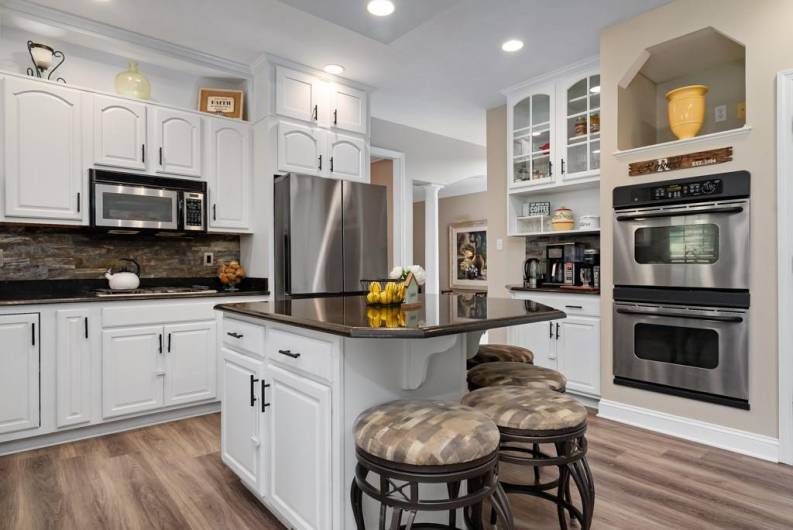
point(132, 370)
point(348, 158)
point(532, 126)
point(190, 361)
point(300, 450)
point(119, 133)
point(300, 96)
point(349, 108)
point(579, 124)
point(578, 335)
point(73, 365)
point(301, 149)
point(539, 338)
point(242, 423)
point(177, 142)
point(43, 140)
point(229, 174)
point(19, 376)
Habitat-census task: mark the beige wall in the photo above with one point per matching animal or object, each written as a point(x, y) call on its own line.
point(382, 174)
point(763, 27)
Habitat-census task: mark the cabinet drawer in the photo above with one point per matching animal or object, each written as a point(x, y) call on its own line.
point(314, 356)
point(569, 303)
point(243, 336)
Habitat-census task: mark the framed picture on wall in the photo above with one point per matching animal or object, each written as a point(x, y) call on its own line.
point(468, 255)
point(222, 102)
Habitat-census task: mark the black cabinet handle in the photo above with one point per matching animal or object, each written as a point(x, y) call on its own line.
point(550, 330)
point(214, 212)
point(557, 331)
point(78, 202)
point(335, 116)
point(161, 156)
point(33, 334)
point(331, 164)
point(143, 153)
point(315, 114)
point(289, 353)
point(235, 335)
point(574, 307)
point(160, 343)
point(563, 166)
point(320, 162)
point(253, 393)
point(264, 385)
point(550, 168)
point(85, 321)
point(169, 343)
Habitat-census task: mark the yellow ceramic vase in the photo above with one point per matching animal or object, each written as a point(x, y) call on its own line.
point(686, 110)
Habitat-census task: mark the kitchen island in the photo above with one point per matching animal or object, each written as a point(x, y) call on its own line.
point(296, 374)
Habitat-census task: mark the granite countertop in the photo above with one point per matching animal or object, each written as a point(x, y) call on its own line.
point(31, 292)
point(435, 315)
point(552, 289)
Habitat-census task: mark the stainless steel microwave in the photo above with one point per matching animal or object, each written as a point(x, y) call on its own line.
point(132, 203)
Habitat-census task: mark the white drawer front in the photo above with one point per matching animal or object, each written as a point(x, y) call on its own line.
point(136, 314)
point(314, 356)
point(243, 336)
point(569, 303)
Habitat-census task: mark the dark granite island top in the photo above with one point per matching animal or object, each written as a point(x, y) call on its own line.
point(437, 315)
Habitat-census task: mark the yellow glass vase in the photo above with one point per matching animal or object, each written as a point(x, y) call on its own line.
point(686, 110)
point(132, 84)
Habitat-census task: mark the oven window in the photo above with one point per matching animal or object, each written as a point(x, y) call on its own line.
point(677, 345)
point(682, 244)
point(130, 207)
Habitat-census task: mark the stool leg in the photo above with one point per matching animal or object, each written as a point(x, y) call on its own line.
point(454, 492)
point(502, 506)
point(474, 484)
point(563, 449)
point(396, 519)
point(411, 520)
point(582, 476)
point(535, 451)
point(383, 507)
point(356, 497)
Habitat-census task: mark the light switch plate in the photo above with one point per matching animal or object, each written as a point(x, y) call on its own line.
point(209, 259)
point(720, 113)
point(2, 258)
point(499, 244)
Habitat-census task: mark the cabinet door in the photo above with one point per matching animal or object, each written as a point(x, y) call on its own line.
point(540, 338)
point(301, 96)
point(349, 109)
point(229, 174)
point(43, 151)
point(532, 147)
point(190, 361)
point(579, 119)
point(240, 418)
point(177, 137)
point(132, 370)
point(19, 376)
point(73, 361)
point(300, 449)
point(119, 133)
point(579, 353)
point(300, 149)
point(348, 158)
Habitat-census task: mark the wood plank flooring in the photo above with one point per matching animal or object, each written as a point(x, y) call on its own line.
point(170, 477)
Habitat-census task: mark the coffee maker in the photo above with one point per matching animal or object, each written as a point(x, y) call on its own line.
point(564, 263)
point(590, 271)
point(531, 273)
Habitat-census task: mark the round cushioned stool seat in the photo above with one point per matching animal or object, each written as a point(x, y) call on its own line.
point(492, 353)
point(518, 374)
point(516, 407)
point(426, 433)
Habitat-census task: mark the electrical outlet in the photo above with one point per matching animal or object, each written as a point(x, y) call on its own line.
point(740, 110)
point(209, 259)
point(2, 259)
point(721, 113)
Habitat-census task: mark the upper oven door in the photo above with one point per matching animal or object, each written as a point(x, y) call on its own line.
point(692, 246)
point(131, 206)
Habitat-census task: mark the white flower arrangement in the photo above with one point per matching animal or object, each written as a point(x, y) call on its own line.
point(400, 273)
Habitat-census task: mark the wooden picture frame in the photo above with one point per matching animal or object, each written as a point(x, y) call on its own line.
point(221, 102)
point(468, 255)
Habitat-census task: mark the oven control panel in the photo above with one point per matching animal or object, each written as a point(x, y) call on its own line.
point(715, 187)
point(683, 191)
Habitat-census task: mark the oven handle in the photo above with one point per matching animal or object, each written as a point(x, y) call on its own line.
point(633, 217)
point(715, 318)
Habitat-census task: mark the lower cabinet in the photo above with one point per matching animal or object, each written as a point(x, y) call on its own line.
point(19, 375)
point(73, 365)
point(190, 362)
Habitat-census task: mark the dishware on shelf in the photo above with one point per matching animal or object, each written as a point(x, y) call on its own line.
point(594, 123)
point(230, 274)
point(131, 83)
point(580, 126)
point(589, 222)
point(686, 110)
point(563, 219)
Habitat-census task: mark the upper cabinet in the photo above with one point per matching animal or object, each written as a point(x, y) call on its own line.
point(313, 151)
point(554, 130)
point(177, 141)
point(43, 165)
point(119, 133)
point(348, 157)
point(228, 173)
point(304, 97)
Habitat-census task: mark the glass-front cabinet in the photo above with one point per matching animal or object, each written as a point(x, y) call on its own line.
point(554, 130)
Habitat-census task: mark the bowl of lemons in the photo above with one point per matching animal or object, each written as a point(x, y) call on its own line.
point(384, 293)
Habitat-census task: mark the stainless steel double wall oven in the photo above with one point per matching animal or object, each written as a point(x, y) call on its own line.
point(681, 287)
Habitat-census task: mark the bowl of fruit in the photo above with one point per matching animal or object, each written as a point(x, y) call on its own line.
point(384, 292)
point(230, 274)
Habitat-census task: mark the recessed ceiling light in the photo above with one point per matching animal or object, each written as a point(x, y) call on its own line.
point(595, 89)
point(334, 69)
point(380, 8)
point(512, 45)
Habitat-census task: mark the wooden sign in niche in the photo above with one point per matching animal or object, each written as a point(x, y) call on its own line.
point(673, 163)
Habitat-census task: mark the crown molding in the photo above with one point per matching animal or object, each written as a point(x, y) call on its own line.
point(553, 74)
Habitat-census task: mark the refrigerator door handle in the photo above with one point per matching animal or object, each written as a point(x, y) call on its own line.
point(287, 266)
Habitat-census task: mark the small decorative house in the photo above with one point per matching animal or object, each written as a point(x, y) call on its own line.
point(411, 289)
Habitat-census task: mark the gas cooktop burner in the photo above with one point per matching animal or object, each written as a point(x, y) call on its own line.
point(147, 291)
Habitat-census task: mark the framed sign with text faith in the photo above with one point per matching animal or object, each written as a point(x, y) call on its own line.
point(673, 163)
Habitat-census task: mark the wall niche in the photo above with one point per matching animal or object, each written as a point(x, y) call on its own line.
point(705, 57)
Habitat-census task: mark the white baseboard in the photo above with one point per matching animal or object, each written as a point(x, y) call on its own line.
point(747, 443)
point(55, 438)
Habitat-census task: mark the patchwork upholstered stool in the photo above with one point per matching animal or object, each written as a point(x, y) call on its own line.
point(534, 422)
point(412, 443)
point(518, 374)
point(493, 353)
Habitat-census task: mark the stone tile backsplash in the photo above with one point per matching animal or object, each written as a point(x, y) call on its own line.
point(33, 253)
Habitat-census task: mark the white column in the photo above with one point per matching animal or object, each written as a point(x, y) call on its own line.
point(431, 239)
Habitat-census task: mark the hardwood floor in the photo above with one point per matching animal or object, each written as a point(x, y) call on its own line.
point(170, 477)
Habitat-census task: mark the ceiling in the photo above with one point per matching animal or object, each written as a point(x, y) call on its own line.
point(435, 64)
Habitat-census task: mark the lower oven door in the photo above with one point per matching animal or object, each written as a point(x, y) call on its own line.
point(695, 349)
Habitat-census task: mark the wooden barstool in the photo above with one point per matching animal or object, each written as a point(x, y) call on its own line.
point(532, 418)
point(517, 374)
point(493, 353)
point(413, 443)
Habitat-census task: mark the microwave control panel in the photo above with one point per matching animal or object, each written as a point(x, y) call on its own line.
point(193, 211)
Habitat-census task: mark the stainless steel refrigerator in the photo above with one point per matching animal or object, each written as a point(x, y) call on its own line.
point(329, 235)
